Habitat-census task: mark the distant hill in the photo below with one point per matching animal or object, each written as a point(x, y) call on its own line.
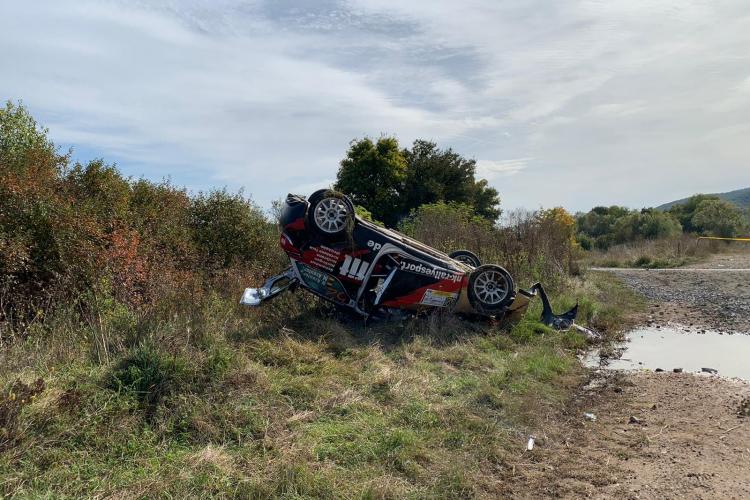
point(740, 197)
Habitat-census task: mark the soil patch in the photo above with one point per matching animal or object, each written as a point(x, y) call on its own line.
point(656, 435)
point(643, 434)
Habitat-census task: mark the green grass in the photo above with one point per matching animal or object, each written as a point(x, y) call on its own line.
point(288, 404)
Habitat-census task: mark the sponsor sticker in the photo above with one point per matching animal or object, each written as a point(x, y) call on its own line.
point(438, 298)
point(434, 272)
point(325, 258)
point(323, 284)
point(374, 245)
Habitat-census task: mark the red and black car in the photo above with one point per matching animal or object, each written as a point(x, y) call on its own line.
point(370, 269)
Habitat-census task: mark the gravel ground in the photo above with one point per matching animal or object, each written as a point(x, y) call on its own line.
point(710, 295)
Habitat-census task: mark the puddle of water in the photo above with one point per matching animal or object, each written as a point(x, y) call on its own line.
point(669, 348)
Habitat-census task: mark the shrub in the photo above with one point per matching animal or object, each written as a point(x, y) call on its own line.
point(647, 224)
point(36, 221)
point(448, 226)
point(73, 235)
point(603, 227)
point(717, 218)
point(365, 214)
point(148, 372)
point(229, 229)
point(532, 245)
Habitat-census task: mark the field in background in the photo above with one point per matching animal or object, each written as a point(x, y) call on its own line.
point(661, 253)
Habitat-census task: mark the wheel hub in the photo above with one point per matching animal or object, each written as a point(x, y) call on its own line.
point(490, 287)
point(331, 215)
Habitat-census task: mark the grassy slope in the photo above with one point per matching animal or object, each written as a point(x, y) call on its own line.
point(230, 404)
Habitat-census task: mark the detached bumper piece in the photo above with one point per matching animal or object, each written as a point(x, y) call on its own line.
point(271, 288)
point(564, 321)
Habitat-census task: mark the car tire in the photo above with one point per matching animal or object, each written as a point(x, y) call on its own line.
point(330, 214)
point(491, 289)
point(466, 257)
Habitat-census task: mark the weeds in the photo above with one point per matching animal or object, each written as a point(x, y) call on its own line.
point(148, 373)
point(12, 401)
point(119, 299)
point(310, 408)
point(652, 254)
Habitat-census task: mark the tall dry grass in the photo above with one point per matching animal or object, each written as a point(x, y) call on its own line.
point(659, 253)
point(531, 245)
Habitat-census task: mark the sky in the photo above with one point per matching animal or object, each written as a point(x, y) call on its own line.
point(571, 103)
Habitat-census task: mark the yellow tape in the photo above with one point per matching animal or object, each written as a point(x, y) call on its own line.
point(718, 238)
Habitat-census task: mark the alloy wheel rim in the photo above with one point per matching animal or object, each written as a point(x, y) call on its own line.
point(491, 287)
point(331, 214)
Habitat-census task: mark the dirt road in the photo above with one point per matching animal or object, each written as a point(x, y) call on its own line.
point(655, 435)
point(712, 295)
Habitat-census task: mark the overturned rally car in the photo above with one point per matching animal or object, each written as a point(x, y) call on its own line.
point(372, 270)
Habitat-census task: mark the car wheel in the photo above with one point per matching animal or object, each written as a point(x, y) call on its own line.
point(466, 257)
point(491, 289)
point(330, 213)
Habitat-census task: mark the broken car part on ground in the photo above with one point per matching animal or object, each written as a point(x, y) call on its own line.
point(372, 270)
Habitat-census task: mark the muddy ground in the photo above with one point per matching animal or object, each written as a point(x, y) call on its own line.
point(656, 435)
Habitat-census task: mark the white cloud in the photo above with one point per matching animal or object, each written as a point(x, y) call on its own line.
point(490, 169)
point(624, 101)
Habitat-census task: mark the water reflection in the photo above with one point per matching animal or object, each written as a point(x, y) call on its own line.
point(668, 348)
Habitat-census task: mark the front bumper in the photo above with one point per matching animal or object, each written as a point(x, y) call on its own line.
point(271, 288)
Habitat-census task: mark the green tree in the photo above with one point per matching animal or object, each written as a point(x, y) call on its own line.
point(486, 200)
point(442, 175)
point(647, 224)
point(391, 183)
point(372, 174)
point(599, 224)
point(434, 175)
point(684, 212)
point(717, 218)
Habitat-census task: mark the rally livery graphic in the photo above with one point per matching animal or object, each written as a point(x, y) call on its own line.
point(372, 270)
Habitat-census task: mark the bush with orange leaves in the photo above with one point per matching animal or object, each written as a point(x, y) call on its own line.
point(68, 231)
